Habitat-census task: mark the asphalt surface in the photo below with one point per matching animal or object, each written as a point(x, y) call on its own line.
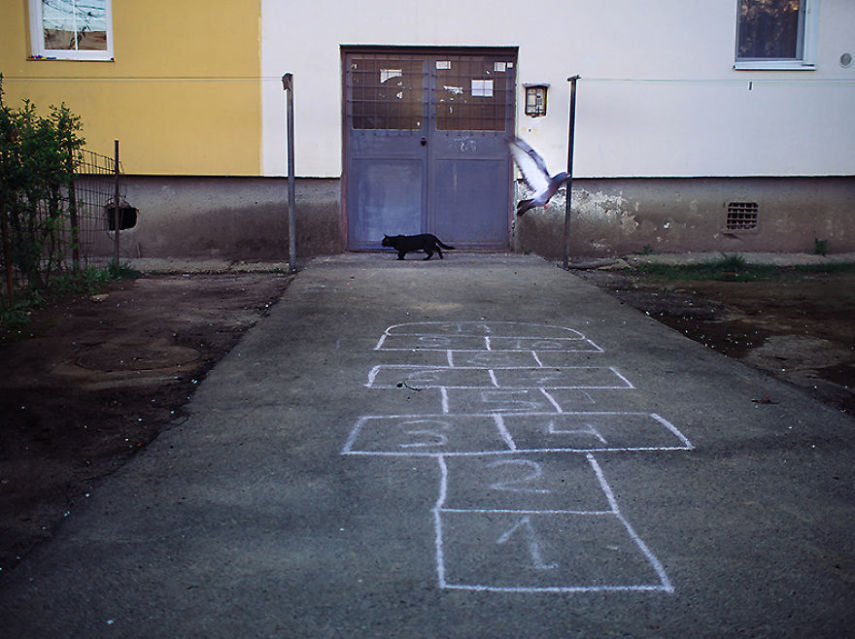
point(483, 446)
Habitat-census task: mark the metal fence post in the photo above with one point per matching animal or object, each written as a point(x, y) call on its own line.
point(568, 207)
point(288, 86)
point(116, 208)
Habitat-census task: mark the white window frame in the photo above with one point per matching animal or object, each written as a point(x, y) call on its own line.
point(37, 40)
point(807, 62)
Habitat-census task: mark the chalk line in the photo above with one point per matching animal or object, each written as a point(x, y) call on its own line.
point(657, 566)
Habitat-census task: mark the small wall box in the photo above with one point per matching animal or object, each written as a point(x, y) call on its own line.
point(535, 100)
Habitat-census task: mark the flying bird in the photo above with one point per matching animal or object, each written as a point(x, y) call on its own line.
point(535, 174)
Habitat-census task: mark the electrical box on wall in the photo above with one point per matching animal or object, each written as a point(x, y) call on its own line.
point(535, 99)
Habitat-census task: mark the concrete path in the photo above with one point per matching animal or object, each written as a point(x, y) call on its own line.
point(483, 446)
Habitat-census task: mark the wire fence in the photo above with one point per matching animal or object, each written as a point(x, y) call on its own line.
point(90, 203)
point(73, 223)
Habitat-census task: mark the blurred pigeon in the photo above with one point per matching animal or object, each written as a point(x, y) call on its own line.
point(535, 174)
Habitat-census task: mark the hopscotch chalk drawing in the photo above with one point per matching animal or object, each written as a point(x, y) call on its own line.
point(523, 505)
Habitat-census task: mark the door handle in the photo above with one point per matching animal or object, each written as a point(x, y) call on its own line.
point(424, 141)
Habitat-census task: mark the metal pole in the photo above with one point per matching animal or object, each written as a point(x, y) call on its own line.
point(568, 206)
point(116, 209)
point(288, 86)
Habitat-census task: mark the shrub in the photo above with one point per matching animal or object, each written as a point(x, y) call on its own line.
point(37, 161)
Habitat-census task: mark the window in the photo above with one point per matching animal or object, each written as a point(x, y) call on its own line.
point(71, 29)
point(776, 34)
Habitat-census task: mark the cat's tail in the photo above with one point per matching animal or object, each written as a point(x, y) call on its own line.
point(445, 246)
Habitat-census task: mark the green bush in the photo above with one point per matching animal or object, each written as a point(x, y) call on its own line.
point(37, 161)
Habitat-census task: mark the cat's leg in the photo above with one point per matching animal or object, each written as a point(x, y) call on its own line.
point(439, 252)
point(401, 254)
point(429, 252)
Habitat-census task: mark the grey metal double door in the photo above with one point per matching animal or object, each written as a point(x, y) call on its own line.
point(425, 148)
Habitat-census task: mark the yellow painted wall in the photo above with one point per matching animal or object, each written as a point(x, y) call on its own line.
point(182, 95)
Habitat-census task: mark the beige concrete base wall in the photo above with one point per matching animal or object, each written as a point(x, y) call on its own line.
point(226, 218)
point(247, 218)
point(619, 216)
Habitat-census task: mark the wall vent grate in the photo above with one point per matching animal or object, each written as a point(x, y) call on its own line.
point(742, 216)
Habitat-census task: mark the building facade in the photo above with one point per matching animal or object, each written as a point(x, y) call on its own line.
point(699, 125)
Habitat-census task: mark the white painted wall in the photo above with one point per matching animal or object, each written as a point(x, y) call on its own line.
point(658, 96)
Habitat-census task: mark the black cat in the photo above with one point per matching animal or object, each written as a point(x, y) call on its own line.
point(407, 243)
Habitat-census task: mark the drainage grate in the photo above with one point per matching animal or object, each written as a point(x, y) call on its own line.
point(741, 216)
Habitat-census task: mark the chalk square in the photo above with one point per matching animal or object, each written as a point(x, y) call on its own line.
point(430, 342)
point(443, 328)
point(594, 431)
point(496, 400)
point(573, 344)
point(420, 377)
point(524, 483)
point(493, 359)
point(570, 399)
point(584, 377)
point(424, 435)
point(540, 552)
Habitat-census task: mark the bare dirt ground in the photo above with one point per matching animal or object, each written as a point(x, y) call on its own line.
point(93, 380)
point(798, 327)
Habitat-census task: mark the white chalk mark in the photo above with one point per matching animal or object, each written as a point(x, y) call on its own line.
point(437, 522)
point(603, 484)
point(532, 541)
point(505, 400)
point(568, 377)
point(370, 432)
point(493, 378)
point(523, 511)
point(372, 375)
point(493, 366)
point(657, 566)
point(504, 329)
point(443, 483)
point(551, 400)
point(588, 430)
point(555, 589)
point(348, 445)
point(499, 452)
point(439, 438)
point(673, 429)
point(503, 432)
point(626, 381)
point(516, 485)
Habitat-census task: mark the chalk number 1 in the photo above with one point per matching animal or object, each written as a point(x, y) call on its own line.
point(523, 527)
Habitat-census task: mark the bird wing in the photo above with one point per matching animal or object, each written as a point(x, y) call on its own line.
point(531, 165)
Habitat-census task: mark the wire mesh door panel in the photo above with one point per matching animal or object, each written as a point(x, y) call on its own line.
point(386, 154)
point(470, 188)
